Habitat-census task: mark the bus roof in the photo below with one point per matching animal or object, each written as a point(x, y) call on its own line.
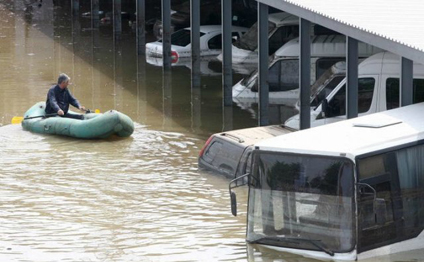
point(355, 136)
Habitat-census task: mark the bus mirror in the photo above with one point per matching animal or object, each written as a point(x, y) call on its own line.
point(233, 195)
point(233, 203)
point(380, 211)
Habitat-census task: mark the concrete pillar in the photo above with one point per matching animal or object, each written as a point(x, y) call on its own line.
point(166, 34)
point(195, 42)
point(227, 73)
point(352, 77)
point(195, 65)
point(305, 73)
point(263, 64)
point(141, 27)
point(406, 82)
point(117, 19)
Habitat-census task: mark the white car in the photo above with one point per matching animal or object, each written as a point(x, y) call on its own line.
point(210, 42)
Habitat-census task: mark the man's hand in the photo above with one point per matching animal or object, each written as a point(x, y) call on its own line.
point(82, 108)
point(60, 112)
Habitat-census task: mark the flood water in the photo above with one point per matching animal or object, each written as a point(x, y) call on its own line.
point(136, 199)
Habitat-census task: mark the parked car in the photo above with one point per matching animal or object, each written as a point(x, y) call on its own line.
point(283, 72)
point(378, 90)
point(210, 14)
point(228, 153)
point(210, 42)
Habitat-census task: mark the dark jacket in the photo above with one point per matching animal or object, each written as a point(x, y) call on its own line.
point(59, 99)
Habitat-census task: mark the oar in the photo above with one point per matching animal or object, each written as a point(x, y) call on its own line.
point(19, 119)
point(97, 111)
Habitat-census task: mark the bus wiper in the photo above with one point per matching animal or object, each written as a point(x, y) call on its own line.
point(277, 239)
point(318, 244)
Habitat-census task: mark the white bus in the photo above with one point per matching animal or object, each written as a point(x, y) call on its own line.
point(344, 191)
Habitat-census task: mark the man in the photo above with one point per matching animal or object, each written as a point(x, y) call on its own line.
point(59, 98)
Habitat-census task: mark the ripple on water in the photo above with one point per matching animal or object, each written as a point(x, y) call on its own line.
point(112, 200)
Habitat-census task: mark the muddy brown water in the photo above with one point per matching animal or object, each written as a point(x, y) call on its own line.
point(136, 199)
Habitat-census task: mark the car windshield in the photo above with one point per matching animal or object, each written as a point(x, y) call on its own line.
point(327, 82)
point(181, 37)
point(249, 41)
point(302, 201)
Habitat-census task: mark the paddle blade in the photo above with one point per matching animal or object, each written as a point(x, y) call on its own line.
point(97, 111)
point(17, 119)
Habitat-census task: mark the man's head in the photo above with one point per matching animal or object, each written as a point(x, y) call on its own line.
point(63, 81)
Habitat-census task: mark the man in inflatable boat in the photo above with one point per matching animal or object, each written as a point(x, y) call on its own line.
point(59, 98)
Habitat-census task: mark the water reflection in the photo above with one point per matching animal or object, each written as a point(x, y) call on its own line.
point(135, 199)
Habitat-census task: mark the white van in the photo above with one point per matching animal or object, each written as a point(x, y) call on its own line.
point(350, 190)
point(283, 75)
point(378, 90)
point(282, 27)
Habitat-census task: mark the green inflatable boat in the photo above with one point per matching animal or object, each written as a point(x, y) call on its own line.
point(93, 126)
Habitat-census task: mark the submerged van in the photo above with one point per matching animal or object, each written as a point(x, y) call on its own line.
point(283, 72)
point(378, 90)
point(228, 153)
point(345, 191)
point(282, 27)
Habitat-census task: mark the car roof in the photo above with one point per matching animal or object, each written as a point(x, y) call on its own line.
point(325, 46)
point(282, 18)
point(355, 136)
point(252, 135)
point(213, 28)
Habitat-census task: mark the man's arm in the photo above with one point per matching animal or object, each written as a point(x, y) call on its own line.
point(73, 101)
point(53, 101)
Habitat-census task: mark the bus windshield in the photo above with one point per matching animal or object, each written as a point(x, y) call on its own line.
point(302, 202)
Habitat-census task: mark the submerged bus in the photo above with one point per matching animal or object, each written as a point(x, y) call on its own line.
point(343, 191)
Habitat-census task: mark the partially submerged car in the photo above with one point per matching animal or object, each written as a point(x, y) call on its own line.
point(210, 42)
point(210, 14)
point(228, 153)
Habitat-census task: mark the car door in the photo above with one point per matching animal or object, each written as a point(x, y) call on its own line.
point(336, 111)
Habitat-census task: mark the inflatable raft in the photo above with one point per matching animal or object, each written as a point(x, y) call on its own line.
point(93, 126)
